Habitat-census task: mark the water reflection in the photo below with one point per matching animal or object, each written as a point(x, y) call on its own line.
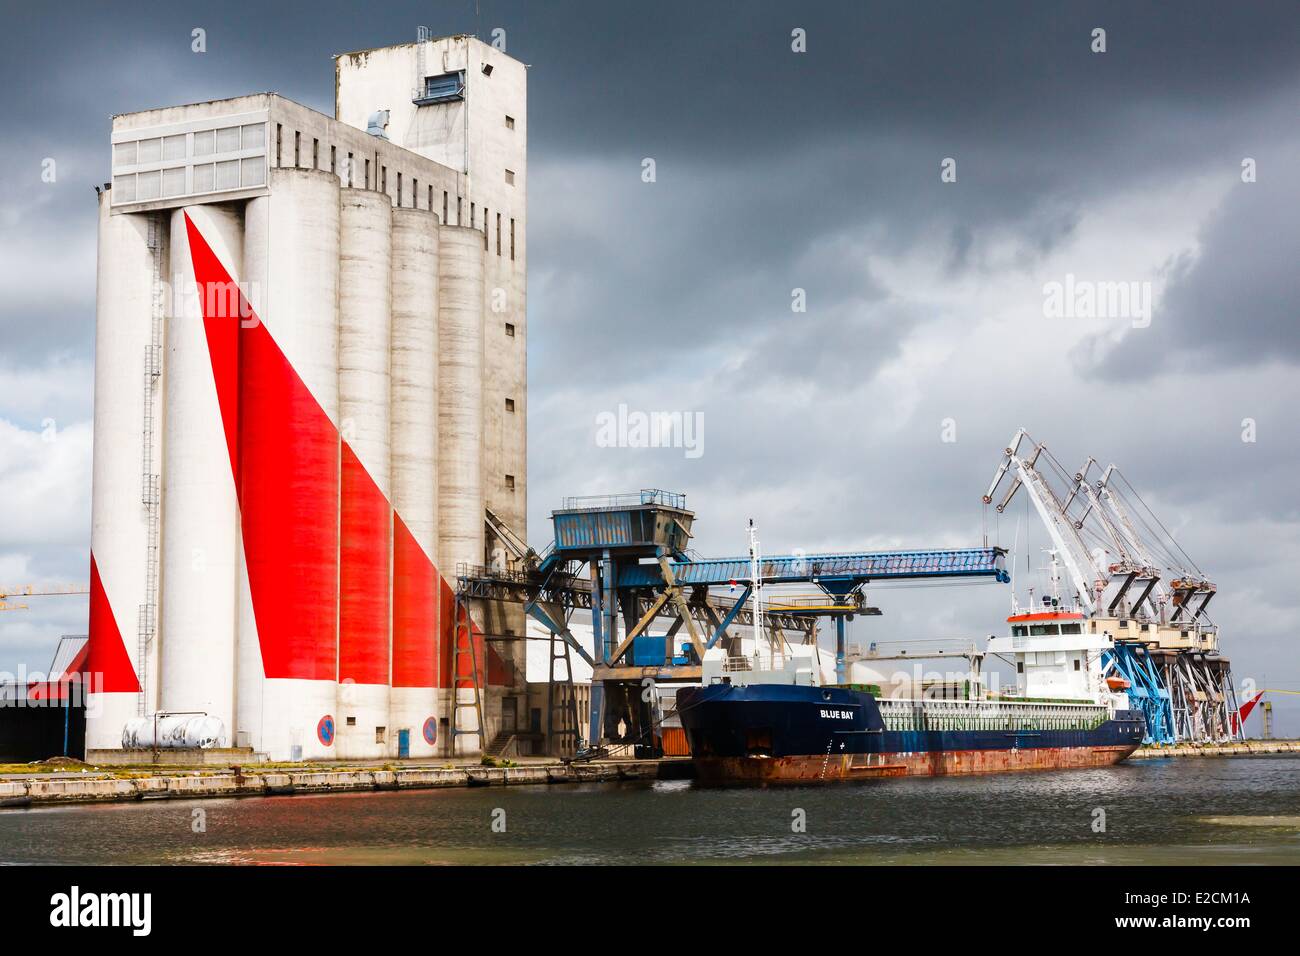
point(1171, 812)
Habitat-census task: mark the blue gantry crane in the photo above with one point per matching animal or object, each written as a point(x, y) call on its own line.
point(627, 559)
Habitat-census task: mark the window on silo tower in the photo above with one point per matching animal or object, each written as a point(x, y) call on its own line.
point(443, 88)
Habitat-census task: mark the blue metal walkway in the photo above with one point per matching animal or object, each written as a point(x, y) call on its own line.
point(834, 572)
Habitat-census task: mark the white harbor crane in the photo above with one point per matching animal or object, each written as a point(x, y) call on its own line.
point(1164, 642)
point(1135, 563)
point(1088, 570)
point(1187, 583)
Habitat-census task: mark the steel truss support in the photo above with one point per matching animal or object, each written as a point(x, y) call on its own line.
point(1147, 690)
point(1204, 701)
point(462, 646)
point(569, 732)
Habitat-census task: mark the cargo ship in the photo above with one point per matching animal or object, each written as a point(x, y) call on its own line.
point(778, 714)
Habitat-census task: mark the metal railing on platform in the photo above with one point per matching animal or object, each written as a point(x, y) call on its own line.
point(646, 496)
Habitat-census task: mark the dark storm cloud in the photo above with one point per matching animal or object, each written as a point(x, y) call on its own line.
point(760, 151)
point(1237, 302)
point(721, 75)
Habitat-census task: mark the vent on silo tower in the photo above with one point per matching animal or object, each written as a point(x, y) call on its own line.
point(377, 125)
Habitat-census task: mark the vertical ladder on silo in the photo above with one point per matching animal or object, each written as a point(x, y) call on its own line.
point(150, 491)
point(459, 650)
point(568, 707)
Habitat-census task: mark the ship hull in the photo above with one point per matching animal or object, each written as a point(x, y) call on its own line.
point(766, 734)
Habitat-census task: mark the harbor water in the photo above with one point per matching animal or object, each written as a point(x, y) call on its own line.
point(1161, 811)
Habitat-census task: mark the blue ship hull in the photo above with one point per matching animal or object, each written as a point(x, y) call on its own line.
point(785, 733)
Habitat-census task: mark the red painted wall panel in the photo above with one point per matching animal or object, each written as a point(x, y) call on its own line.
point(286, 462)
point(415, 611)
point(365, 549)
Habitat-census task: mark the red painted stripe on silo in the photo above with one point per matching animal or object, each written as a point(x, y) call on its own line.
point(106, 659)
point(447, 606)
point(285, 456)
point(415, 611)
point(218, 299)
point(289, 499)
point(498, 675)
point(364, 553)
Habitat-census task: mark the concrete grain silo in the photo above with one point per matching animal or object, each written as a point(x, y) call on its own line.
point(200, 526)
point(289, 467)
point(132, 255)
point(413, 702)
point(293, 451)
point(460, 424)
point(365, 514)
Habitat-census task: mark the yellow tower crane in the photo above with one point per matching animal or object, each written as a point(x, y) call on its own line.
point(37, 590)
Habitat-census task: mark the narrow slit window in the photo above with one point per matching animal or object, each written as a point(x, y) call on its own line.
point(510, 404)
point(349, 169)
point(510, 329)
point(498, 233)
point(333, 158)
point(315, 153)
point(510, 122)
point(512, 239)
point(279, 136)
point(458, 210)
point(297, 146)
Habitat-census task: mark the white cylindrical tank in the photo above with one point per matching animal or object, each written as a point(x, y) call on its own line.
point(120, 524)
point(174, 731)
point(289, 469)
point(460, 437)
point(365, 515)
point(413, 706)
point(200, 425)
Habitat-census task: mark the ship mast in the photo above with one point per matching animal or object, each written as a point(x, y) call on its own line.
point(756, 579)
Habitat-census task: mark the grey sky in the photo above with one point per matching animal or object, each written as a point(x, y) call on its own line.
point(777, 171)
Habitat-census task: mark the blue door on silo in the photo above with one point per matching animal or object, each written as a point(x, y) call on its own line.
point(403, 743)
